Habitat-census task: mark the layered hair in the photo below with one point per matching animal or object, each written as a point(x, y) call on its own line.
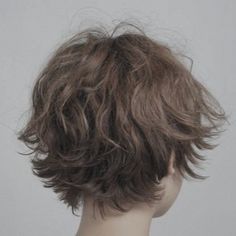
point(107, 111)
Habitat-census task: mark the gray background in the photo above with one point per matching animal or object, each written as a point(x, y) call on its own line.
point(30, 30)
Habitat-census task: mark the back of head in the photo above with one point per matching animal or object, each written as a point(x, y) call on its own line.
point(107, 111)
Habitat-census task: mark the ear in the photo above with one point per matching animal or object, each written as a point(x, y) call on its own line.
point(171, 166)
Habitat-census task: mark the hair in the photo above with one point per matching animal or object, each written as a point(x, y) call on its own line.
point(106, 113)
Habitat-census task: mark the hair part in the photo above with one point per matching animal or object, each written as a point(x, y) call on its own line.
point(106, 113)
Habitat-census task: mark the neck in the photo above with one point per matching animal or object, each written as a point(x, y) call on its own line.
point(135, 222)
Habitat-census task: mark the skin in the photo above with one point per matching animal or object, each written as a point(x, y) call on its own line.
point(137, 221)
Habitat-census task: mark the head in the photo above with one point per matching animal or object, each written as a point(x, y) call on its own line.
point(116, 118)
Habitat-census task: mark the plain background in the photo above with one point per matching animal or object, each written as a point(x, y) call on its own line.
point(205, 30)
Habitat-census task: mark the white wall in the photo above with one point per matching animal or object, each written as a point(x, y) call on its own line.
point(30, 30)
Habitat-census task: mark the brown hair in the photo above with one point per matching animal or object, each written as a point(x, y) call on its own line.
point(106, 113)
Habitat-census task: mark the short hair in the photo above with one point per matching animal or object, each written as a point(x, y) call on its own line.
point(106, 113)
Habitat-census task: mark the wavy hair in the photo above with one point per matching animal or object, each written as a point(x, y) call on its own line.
point(106, 113)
